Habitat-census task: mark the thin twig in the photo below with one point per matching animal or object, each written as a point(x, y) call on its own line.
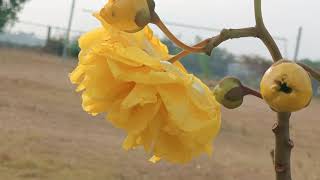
point(157, 21)
point(246, 90)
point(211, 43)
point(314, 73)
point(227, 34)
point(264, 34)
point(272, 156)
point(242, 91)
point(185, 53)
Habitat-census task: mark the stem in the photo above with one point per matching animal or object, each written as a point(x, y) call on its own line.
point(227, 34)
point(157, 21)
point(242, 91)
point(283, 147)
point(185, 53)
point(246, 90)
point(264, 34)
point(211, 43)
point(314, 73)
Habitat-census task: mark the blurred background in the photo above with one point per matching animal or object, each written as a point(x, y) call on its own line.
point(45, 135)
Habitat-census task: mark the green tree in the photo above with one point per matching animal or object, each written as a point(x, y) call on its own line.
point(9, 10)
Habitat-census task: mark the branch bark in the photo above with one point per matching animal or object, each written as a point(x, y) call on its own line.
point(283, 147)
point(227, 34)
point(211, 43)
point(314, 73)
point(283, 143)
point(185, 53)
point(264, 34)
point(158, 22)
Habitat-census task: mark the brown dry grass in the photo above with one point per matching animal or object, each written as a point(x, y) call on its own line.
point(45, 135)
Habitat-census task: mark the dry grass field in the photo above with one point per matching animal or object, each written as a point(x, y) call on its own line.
point(44, 134)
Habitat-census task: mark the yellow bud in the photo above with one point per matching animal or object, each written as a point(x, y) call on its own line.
point(286, 87)
point(128, 15)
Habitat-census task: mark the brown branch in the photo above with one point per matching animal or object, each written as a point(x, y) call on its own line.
point(185, 53)
point(264, 34)
point(272, 156)
point(227, 34)
point(242, 91)
point(157, 21)
point(283, 147)
point(211, 43)
point(246, 91)
point(314, 73)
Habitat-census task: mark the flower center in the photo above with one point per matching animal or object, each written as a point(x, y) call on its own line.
point(285, 88)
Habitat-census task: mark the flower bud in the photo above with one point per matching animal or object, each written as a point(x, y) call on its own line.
point(128, 15)
point(229, 93)
point(286, 87)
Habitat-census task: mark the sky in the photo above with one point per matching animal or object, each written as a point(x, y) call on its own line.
point(282, 18)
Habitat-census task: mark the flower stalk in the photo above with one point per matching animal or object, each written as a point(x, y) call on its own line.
point(158, 22)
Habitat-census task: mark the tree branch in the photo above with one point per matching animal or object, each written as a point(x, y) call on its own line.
point(227, 34)
point(185, 53)
point(211, 43)
point(283, 147)
point(314, 73)
point(264, 34)
point(157, 21)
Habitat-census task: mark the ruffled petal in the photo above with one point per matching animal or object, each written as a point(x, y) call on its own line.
point(170, 113)
point(133, 120)
point(140, 95)
point(181, 110)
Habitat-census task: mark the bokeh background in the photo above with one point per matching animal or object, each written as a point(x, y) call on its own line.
point(44, 134)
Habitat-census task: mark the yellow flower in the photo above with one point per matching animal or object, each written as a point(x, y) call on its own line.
point(128, 15)
point(169, 112)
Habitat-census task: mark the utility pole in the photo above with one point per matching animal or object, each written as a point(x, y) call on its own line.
point(296, 53)
point(48, 35)
point(66, 41)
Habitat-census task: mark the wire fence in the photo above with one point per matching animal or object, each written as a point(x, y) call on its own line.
point(52, 39)
point(47, 37)
point(28, 33)
point(31, 34)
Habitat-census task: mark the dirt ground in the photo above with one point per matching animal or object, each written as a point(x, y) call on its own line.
point(44, 134)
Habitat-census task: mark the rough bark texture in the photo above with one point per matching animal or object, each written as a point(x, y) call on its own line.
point(283, 147)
